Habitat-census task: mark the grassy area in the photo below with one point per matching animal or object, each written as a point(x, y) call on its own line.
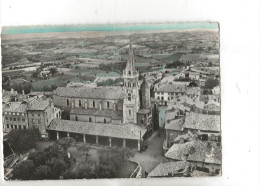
point(88, 157)
point(60, 81)
point(172, 58)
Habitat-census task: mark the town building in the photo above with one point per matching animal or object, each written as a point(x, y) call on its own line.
point(172, 169)
point(205, 156)
point(15, 116)
point(97, 110)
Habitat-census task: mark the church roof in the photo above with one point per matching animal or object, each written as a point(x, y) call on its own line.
point(106, 92)
point(118, 115)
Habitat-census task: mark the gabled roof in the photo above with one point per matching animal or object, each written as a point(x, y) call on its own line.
point(106, 92)
point(38, 104)
point(196, 151)
point(127, 131)
point(203, 122)
point(176, 124)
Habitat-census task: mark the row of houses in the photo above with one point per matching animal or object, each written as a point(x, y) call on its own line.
point(34, 112)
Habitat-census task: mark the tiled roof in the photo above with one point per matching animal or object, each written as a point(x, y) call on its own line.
point(106, 92)
point(96, 112)
point(203, 122)
point(170, 115)
point(127, 131)
point(171, 88)
point(15, 107)
point(169, 168)
point(197, 103)
point(193, 91)
point(176, 124)
point(197, 151)
point(38, 104)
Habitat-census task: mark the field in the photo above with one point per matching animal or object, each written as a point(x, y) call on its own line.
point(60, 81)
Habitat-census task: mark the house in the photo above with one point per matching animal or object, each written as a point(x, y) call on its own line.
point(166, 92)
point(173, 128)
point(40, 113)
point(212, 107)
point(205, 156)
point(207, 127)
point(193, 92)
point(194, 75)
point(172, 169)
point(216, 90)
point(15, 116)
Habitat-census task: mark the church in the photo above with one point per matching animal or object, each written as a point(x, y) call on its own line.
point(111, 116)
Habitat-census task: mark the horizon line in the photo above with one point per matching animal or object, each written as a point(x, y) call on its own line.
point(10, 30)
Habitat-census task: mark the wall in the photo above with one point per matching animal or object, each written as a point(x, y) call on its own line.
point(21, 121)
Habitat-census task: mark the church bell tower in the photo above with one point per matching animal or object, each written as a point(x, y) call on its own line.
point(131, 103)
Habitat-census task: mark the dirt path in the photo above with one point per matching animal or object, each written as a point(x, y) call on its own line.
point(153, 155)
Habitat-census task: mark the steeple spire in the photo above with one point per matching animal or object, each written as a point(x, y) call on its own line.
point(130, 61)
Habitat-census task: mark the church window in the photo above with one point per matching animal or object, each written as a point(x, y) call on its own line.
point(158, 97)
point(76, 118)
point(133, 84)
point(105, 120)
point(94, 104)
point(129, 97)
point(108, 104)
point(129, 72)
point(68, 102)
point(79, 103)
point(130, 113)
point(90, 120)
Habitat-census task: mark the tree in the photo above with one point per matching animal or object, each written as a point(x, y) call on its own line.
point(23, 170)
point(57, 166)
point(23, 140)
point(192, 84)
point(38, 158)
point(53, 71)
point(42, 172)
point(210, 83)
point(53, 87)
point(66, 142)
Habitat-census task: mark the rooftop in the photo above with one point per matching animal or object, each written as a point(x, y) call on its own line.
point(176, 124)
point(106, 92)
point(38, 104)
point(15, 107)
point(127, 131)
point(97, 112)
point(169, 168)
point(170, 88)
point(203, 122)
point(197, 151)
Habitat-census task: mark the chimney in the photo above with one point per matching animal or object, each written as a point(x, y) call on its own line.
point(23, 92)
point(12, 90)
point(100, 106)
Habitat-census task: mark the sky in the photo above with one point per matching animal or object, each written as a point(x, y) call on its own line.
point(125, 27)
